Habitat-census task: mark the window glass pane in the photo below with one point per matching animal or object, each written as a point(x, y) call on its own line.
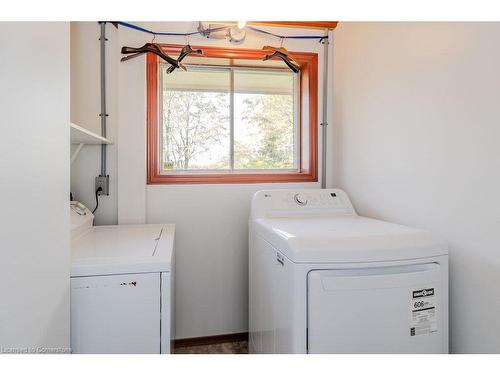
point(195, 108)
point(264, 120)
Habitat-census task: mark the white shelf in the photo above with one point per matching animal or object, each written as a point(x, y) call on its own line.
point(82, 136)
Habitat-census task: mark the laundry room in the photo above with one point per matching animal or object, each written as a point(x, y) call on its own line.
point(190, 187)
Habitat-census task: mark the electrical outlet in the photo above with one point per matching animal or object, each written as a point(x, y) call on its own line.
point(103, 183)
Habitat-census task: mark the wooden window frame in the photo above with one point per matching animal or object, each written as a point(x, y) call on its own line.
point(308, 172)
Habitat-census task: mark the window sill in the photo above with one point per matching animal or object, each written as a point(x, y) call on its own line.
point(240, 178)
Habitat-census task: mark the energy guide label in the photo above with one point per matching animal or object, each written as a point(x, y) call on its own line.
point(423, 312)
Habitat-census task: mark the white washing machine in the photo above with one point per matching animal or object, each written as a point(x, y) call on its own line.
point(122, 286)
point(325, 280)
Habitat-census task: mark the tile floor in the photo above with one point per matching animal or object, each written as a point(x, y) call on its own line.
point(238, 347)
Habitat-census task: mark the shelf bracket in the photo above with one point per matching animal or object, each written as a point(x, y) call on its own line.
point(77, 151)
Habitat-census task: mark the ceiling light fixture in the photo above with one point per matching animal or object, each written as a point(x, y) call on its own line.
point(236, 35)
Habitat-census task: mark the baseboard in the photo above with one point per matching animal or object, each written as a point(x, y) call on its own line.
point(210, 340)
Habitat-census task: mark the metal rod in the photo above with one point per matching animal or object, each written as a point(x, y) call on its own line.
point(103, 114)
point(324, 122)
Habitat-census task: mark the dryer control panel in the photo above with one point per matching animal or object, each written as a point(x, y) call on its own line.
point(275, 203)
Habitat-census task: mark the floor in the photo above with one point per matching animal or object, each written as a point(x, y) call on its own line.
point(237, 347)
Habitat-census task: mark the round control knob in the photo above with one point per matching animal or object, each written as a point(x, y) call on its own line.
point(300, 199)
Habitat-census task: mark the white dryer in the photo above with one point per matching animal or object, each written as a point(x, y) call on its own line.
point(325, 280)
point(122, 286)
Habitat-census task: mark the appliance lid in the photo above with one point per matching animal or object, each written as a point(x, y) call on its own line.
point(119, 249)
point(348, 238)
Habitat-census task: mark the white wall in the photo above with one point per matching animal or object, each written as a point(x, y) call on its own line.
point(416, 109)
point(34, 164)
point(211, 243)
point(85, 110)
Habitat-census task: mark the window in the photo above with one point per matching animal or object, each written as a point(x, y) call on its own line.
point(232, 118)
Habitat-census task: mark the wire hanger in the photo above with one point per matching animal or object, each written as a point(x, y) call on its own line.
point(282, 53)
point(185, 51)
point(130, 57)
point(148, 47)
